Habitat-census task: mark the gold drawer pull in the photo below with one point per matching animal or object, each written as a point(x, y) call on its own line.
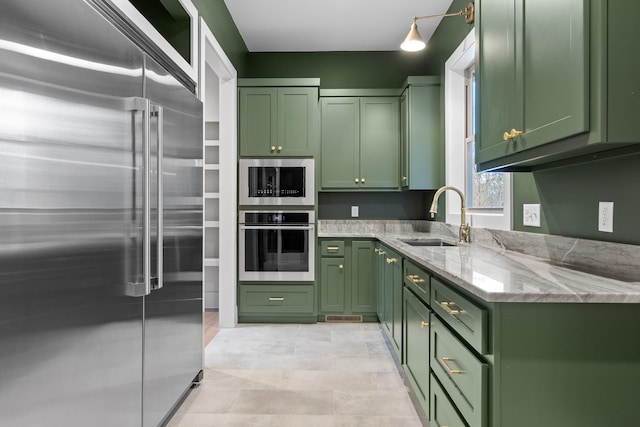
point(279, 147)
point(333, 248)
point(424, 324)
point(381, 252)
point(391, 260)
point(276, 298)
point(273, 148)
point(445, 361)
point(415, 278)
point(447, 306)
point(340, 266)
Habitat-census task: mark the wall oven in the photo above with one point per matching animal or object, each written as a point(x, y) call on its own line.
point(287, 181)
point(276, 245)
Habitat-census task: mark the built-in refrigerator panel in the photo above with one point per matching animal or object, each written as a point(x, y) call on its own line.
point(70, 338)
point(100, 223)
point(174, 312)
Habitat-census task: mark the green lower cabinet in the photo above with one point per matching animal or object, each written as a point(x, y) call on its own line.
point(332, 285)
point(363, 280)
point(462, 374)
point(379, 262)
point(416, 345)
point(391, 276)
point(347, 280)
point(443, 411)
point(271, 302)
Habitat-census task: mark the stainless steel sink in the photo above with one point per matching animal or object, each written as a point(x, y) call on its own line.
point(428, 242)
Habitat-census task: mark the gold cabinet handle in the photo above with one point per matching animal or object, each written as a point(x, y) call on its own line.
point(424, 324)
point(357, 180)
point(362, 180)
point(415, 278)
point(381, 252)
point(514, 133)
point(276, 298)
point(279, 147)
point(340, 266)
point(447, 306)
point(333, 248)
point(445, 362)
point(273, 148)
point(391, 260)
point(376, 250)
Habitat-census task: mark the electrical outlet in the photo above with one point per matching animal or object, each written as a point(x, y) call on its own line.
point(355, 212)
point(605, 217)
point(531, 215)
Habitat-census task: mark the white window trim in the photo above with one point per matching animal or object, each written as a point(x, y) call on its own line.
point(454, 104)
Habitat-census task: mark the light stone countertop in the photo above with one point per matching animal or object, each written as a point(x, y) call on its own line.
point(489, 269)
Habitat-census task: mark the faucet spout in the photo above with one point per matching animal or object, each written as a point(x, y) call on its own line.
point(464, 227)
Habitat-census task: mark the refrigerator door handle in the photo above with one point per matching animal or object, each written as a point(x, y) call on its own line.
point(139, 289)
point(158, 112)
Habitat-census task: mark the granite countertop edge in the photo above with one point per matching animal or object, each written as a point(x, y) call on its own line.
point(500, 275)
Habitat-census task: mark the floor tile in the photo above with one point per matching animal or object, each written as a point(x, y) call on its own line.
point(329, 375)
point(284, 402)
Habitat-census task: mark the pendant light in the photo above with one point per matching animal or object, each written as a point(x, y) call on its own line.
point(414, 43)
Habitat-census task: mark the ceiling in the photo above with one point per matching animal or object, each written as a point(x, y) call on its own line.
point(331, 25)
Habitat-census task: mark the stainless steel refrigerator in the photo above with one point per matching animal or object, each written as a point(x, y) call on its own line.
point(100, 223)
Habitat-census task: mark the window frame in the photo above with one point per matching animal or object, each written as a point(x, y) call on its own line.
point(456, 137)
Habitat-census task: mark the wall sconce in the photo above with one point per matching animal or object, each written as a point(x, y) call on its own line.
point(414, 43)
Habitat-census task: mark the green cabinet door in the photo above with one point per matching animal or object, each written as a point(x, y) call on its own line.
point(340, 142)
point(360, 143)
point(397, 304)
point(380, 275)
point(392, 315)
point(363, 283)
point(526, 82)
point(379, 142)
point(297, 121)
point(258, 121)
point(416, 346)
point(332, 285)
point(278, 121)
point(421, 151)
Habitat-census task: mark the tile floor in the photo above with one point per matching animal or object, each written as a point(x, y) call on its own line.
point(325, 375)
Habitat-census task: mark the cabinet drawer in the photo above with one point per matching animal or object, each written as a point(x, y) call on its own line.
point(465, 317)
point(417, 280)
point(332, 247)
point(443, 412)
point(276, 299)
point(461, 374)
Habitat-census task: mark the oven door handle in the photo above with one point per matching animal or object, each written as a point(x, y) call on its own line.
point(276, 227)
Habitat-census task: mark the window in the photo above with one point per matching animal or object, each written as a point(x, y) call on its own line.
point(487, 194)
point(484, 190)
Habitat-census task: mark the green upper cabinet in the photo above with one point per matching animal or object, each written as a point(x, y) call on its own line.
point(527, 82)
point(560, 74)
point(421, 154)
point(278, 121)
point(360, 143)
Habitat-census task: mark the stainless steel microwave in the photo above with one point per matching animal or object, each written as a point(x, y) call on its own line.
point(286, 181)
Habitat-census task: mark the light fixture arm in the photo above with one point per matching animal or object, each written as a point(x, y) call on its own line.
point(468, 13)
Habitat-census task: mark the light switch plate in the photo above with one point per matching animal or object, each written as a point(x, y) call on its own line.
point(355, 212)
point(605, 217)
point(531, 215)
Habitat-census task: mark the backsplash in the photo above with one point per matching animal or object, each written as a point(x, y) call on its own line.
point(615, 260)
